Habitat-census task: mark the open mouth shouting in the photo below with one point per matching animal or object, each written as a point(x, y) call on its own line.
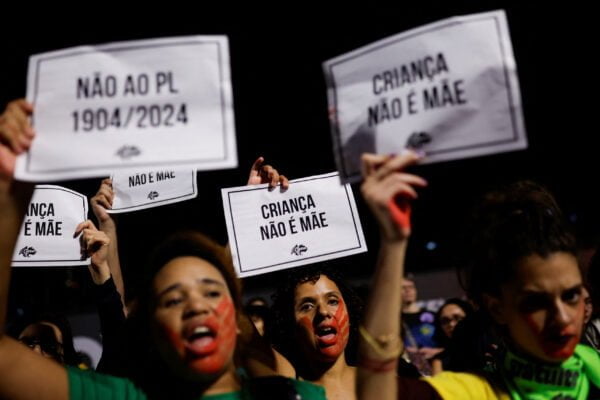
point(327, 335)
point(201, 339)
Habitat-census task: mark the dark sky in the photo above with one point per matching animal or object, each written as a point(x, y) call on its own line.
point(281, 111)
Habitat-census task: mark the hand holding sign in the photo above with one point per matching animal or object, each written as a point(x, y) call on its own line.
point(103, 201)
point(260, 173)
point(16, 134)
point(94, 244)
point(388, 191)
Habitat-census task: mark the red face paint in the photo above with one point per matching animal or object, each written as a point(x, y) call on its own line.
point(211, 354)
point(558, 345)
point(333, 345)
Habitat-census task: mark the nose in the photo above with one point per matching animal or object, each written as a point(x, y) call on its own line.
point(563, 314)
point(323, 310)
point(195, 305)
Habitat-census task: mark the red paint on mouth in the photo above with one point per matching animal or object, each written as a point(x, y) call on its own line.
point(334, 344)
point(559, 345)
point(211, 355)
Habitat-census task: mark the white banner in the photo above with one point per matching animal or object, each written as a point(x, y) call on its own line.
point(152, 188)
point(449, 88)
point(46, 237)
point(314, 220)
point(159, 103)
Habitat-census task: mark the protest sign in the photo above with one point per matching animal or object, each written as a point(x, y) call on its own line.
point(46, 237)
point(130, 106)
point(152, 188)
point(314, 220)
point(449, 88)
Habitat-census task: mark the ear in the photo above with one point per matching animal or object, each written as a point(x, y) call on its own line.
point(494, 307)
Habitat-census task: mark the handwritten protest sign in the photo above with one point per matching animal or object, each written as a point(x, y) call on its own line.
point(152, 188)
point(314, 220)
point(46, 237)
point(130, 106)
point(449, 88)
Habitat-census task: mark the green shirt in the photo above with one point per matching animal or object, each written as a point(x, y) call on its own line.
point(91, 385)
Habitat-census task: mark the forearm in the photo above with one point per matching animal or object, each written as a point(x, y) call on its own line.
point(377, 372)
point(14, 198)
point(110, 228)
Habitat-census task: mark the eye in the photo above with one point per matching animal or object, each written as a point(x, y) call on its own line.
point(333, 301)
point(172, 302)
point(212, 294)
point(305, 307)
point(533, 302)
point(572, 296)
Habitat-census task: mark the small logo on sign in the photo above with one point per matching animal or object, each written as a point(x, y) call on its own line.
point(152, 195)
point(298, 249)
point(27, 251)
point(127, 152)
point(418, 139)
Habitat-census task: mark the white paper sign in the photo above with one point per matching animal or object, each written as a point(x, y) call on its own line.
point(152, 188)
point(46, 237)
point(449, 88)
point(135, 105)
point(314, 220)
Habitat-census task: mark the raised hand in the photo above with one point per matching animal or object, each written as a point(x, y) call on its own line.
point(389, 191)
point(102, 201)
point(261, 173)
point(94, 243)
point(16, 135)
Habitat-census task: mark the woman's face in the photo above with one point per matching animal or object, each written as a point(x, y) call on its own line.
point(195, 318)
point(44, 338)
point(450, 315)
point(322, 320)
point(543, 306)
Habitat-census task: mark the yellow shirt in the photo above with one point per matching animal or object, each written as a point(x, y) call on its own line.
point(462, 386)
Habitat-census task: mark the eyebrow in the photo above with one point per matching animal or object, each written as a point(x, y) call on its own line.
point(312, 298)
point(579, 286)
point(175, 286)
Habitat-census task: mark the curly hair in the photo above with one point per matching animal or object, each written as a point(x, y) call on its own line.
point(519, 220)
point(283, 324)
point(148, 368)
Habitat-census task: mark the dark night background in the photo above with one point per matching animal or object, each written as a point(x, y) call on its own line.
point(281, 113)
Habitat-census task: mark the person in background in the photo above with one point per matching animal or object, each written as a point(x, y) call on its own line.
point(257, 309)
point(449, 315)
point(50, 335)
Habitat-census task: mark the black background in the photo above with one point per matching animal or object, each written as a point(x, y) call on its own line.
point(281, 113)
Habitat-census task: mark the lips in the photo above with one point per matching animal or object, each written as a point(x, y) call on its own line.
point(201, 338)
point(560, 345)
point(326, 335)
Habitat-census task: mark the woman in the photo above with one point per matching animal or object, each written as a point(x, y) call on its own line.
point(315, 328)
point(189, 310)
point(449, 315)
point(50, 335)
point(523, 274)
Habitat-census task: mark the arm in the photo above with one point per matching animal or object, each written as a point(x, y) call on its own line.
point(100, 203)
point(97, 244)
point(260, 359)
point(23, 373)
point(388, 192)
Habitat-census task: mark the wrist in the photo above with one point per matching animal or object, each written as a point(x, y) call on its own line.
point(100, 273)
point(393, 239)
